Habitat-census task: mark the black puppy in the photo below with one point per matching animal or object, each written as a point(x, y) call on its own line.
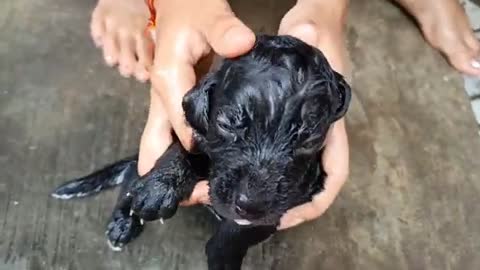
point(260, 122)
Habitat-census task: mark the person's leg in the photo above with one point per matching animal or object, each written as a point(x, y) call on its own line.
point(445, 26)
point(118, 27)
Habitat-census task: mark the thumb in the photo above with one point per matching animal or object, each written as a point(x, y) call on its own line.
point(156, 136)
point(229, 37)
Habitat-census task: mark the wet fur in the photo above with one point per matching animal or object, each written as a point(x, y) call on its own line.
point(260, 122)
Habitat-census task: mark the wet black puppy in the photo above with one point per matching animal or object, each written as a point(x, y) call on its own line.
point(260, 122)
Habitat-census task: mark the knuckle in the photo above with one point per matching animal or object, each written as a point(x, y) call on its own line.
point(123, 33)
point(110, 23)
point(161, 70)
point(139, 36)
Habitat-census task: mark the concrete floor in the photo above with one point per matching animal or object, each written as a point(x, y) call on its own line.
point(411, 201)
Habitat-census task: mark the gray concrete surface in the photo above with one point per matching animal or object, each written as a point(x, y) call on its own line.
point(411, 201)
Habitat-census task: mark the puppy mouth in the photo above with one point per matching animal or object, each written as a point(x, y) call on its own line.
point(242, 222)
point(223, 211)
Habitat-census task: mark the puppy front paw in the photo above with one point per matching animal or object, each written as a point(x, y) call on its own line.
point(122, 229)
point(154, 199)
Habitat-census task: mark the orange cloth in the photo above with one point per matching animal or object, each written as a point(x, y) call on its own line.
point(153, 14)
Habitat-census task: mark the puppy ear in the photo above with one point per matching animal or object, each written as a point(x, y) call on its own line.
point(343, 96)
point(196, 103)
point(324, 102)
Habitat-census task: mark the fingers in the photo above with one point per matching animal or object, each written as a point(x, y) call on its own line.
point(172, 84)
point(335, 158)
point(320, 24)
point(155, 140)
point(199, 195)
point(229, 37)
point(335, 161)
point(156, 136)
point(307, 32)
point(300, 214)
point(173, 74)
point(182, 40)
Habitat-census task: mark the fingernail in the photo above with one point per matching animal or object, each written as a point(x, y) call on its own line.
point(161, 221)
point(109, 60)
point(141, 221)
point(238, 35)
point(131, 212)
point(142, 76)
point(128, 194)
point(152, 34)
point(475, 64)
point(125, 71)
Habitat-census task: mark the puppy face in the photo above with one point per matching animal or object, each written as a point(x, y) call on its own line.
point(262, 119)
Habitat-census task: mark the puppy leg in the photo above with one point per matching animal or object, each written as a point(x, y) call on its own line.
point(123, 227)
point(158, 193)
point(229, 245)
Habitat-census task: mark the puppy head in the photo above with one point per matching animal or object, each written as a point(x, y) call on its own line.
point(262, 119)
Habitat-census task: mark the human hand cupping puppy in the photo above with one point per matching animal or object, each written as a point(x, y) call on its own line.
point(187, 31)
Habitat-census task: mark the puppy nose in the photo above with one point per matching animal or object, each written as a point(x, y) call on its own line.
point(246, 207)
point(242, 199)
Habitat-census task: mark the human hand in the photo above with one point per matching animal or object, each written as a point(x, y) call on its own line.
point(335, 162)
point(185, 32)
point(320, 24)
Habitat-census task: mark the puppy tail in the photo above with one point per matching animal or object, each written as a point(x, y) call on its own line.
point(105, 178)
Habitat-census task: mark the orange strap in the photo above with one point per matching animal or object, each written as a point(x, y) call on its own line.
point(153, 14)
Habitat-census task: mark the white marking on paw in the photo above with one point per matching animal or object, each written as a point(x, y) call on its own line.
point(141, 221)
point(76, 195)
point(131, 212)
point(63, 196)
point(119, 179)
point(161, 221)
point(84, 194)
point(242, 222)
point(112, 247)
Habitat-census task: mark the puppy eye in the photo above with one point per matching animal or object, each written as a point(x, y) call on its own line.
point(232, 125)
point(231, 121)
